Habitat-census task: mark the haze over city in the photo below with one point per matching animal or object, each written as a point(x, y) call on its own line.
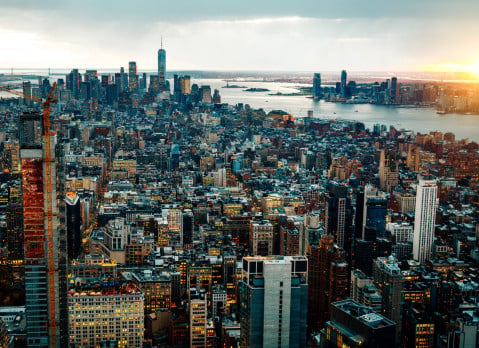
point(247, 35)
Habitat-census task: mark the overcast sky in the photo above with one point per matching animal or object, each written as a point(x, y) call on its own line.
point(302, 35)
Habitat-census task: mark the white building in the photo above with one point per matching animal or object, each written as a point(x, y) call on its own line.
point(425, 219)
point(403, 231)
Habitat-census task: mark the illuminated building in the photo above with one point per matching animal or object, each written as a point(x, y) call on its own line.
point(418, 329)
point(14, 217)
point(155, 287)
point(354, 325)
point(132, 77)
point(270, 202)
point(106, 314)
point(424, 220)
point(199, 277)
point(273, 296)
point(198, 305)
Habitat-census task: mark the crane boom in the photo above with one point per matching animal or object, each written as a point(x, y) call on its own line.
point(21, 94)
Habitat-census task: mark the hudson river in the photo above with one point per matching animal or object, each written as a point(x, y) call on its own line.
point(417, 119)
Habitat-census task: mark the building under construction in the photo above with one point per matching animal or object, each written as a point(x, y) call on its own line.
point(45, 261)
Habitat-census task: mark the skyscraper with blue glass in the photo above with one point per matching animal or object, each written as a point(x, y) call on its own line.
point(273, 301)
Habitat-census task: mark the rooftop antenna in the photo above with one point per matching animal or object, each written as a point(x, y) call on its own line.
point(161, 41)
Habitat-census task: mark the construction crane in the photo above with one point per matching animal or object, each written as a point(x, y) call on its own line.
point(48, 160)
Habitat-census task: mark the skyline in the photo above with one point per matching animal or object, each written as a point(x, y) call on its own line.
point(309, 36)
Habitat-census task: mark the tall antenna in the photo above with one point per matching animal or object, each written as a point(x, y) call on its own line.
point(161, 41)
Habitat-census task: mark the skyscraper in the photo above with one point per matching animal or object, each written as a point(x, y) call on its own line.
point(162, 66)
point(425, 219)
point(328, 274)
point(132, 76)
point(317, 86)
point(73, 222)
point(339, 217)
point(388, 170)
point(41, 236)
point(389, 280)
point(273, 295)
point(344, 78)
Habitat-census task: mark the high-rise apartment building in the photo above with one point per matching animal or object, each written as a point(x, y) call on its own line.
point(424, 220)
point(273, 301)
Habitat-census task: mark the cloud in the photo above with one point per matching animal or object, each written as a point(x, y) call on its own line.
point(250, 35)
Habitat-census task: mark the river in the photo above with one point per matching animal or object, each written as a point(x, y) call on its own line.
point(417, 119)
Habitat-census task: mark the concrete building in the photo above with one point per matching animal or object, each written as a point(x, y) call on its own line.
point(261, 237)
point(106, 315)
point(424, 220)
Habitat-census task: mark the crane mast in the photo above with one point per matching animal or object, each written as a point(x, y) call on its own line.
point(48, 204)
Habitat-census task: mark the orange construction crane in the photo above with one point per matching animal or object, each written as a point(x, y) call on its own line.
point(50, 99)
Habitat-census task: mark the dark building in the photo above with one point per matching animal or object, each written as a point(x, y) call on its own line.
point(73, 224)
point(354, 325)
point(317, 86)
point(188, 227)
point(339, 217)
point(328, 274)
point(344, 78)
point(417, 328)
